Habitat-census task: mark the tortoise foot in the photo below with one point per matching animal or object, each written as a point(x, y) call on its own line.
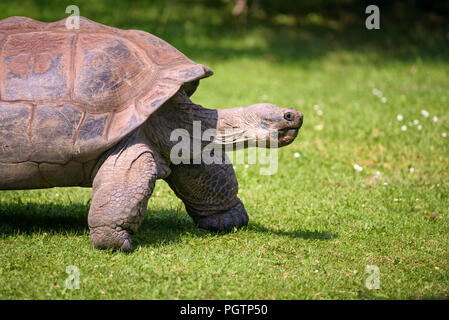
point(111, 238)
point(224, 221)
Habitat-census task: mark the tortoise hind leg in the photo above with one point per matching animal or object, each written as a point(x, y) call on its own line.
point(121, 189)
point(209, 193)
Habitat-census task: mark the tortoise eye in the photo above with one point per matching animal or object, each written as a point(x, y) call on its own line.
point(289, 116)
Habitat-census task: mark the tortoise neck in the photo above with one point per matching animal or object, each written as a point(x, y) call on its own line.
point(179, 117)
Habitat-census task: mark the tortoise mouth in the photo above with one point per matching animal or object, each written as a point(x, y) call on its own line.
point(286, 136)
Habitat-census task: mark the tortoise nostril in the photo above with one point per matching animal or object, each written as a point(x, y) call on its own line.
point(289, 116)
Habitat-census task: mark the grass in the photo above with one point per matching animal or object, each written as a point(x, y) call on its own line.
point(317, 223)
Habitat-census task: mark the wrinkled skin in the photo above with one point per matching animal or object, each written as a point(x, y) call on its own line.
point(209, 191)
point(96, 106)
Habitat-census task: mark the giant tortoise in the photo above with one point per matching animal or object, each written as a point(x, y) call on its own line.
point(97, 106)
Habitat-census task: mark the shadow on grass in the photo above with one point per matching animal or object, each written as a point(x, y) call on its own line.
point(160, 227)
point(30, 218)
point(303, 234)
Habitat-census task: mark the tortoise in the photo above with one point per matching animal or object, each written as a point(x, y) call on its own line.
point(96, 107)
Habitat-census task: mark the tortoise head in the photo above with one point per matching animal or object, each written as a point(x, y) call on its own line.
point(262, 124)
point(182, 130)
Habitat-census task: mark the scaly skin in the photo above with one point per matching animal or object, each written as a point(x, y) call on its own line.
point(127, 174)
point(121, 189)
point(209, 193)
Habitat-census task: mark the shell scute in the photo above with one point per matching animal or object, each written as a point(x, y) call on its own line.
point(109, 71)
point(35, 66)
point(93, 127)
point(52, 126)
point(20, 25)
point(15, 145)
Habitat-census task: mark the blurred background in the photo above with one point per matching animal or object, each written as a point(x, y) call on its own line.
point(275, 30)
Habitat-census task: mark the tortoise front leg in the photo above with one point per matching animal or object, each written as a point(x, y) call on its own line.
point(121, 189)
point(209, 193)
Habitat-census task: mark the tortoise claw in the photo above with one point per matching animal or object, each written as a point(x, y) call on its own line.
point(111, 238)
point(224, 221)
point(127, 246)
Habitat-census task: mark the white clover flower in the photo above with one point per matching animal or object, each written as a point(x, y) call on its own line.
point(444, 134)
point(385, 183)
point(296, 155)
point(383, 99)
point(419, 127)
point(319, 112)
point(404, 128)
point(415, 122)
point(316, 107)
point(435, 119)
point(399, 117)
point(425, 113)
point(412, 170)
point(357, 167)
point(377, 173)
point(246, 166)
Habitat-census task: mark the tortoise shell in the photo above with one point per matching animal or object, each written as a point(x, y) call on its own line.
point(69, 94)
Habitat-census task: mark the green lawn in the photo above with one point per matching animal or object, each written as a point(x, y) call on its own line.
point(317, 223)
